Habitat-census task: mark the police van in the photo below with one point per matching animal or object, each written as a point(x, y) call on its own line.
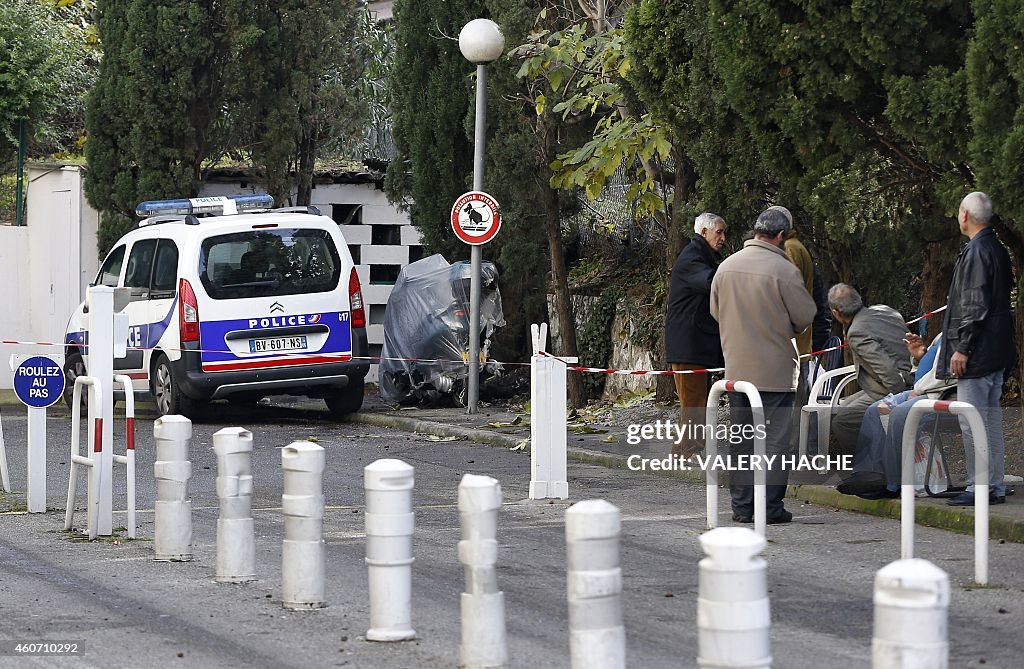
point(231, 299)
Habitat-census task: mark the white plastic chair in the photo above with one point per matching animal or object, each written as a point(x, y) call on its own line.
point(822, 403)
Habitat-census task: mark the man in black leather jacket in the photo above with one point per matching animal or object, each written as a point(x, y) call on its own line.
point(978, 331)
point(691, 334)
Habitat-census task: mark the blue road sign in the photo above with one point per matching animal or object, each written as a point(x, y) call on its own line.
point(39, 382)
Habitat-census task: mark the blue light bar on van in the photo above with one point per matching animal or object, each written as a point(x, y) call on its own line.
point(218, 206)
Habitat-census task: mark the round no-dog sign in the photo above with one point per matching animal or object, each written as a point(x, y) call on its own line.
point(39, 382)
point(476, 218)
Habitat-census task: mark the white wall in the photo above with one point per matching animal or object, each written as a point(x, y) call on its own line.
point(15, 301)
point(62, 247)
point(45, 265)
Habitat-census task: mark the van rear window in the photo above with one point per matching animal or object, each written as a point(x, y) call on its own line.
point(267, 263)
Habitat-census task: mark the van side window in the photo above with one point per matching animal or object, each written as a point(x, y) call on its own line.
point(165, 269)
point(111, 270)
point(140, 262)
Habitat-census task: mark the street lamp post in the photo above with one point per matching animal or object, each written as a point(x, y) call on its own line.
point(481, 42)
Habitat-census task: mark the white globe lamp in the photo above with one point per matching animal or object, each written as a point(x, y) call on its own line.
point(481, 41)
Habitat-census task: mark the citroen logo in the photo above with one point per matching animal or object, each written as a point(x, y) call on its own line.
point(276, 306)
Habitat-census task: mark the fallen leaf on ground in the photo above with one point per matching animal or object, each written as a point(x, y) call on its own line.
point(584, 429)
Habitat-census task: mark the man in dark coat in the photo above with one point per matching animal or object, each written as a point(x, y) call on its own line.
point(691, 335)
point(977, 329)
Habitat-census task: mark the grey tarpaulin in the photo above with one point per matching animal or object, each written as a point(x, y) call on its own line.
point(426, 326)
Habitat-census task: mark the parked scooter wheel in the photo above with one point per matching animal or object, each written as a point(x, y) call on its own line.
point(460, 393)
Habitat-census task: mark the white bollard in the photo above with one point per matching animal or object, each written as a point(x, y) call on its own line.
point(597, 637)
point(389, 530)
point(969, 413)
point(482, 605)
point(102, 344)
point(4, 472)
point(733, 613)
point(303, 559)
point(236, 534)
point(172, 532)
point(36, 493)
point(548, 438)
point(911, 614)
point(128, 459)
point(718, 389)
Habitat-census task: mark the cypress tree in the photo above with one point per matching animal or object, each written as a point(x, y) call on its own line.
point(293, 86)
point(432, 95)
point(995, 73)
point(674, 74)
point(842, 101)
point(158, 91)
point(995, 69)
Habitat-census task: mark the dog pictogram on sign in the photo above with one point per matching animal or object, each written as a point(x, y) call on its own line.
point(475, 217)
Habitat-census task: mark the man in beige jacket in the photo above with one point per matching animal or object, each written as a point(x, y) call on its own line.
point(760, 302)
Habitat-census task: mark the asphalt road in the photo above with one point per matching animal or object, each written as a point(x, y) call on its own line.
point(130, 611)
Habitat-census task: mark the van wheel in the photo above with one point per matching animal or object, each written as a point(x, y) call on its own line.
point(74, 367)
point(348, 400)
point(169, 398)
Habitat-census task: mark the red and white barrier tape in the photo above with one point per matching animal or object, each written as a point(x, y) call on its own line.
point(628, 372)
point(648, 372)
point(930, 313)
point(574, 368)
point(281, 354)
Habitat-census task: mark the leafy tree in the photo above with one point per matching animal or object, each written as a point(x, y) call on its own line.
point(584, 63)
point(530, 142)
point(378, 39)
point(159, 89)
point(46, 65)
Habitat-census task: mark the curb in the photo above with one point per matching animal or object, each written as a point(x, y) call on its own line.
point(926, 512)
point(574, 454)
point(10, 402)
point(437, 429)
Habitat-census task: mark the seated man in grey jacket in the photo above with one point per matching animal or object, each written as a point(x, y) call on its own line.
point(875, 337)
point(878, 463)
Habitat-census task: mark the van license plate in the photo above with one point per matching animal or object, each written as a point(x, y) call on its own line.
point(277, 344)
